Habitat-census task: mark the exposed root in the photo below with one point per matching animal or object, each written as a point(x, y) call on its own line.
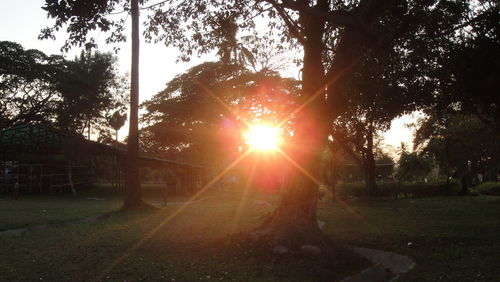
point(293, 232)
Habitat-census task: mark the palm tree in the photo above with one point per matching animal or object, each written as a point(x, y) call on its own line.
point(133, 195)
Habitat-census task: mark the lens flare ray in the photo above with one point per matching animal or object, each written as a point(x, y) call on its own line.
point(151, 233)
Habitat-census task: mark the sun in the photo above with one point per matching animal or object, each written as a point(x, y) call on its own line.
point(263, 137)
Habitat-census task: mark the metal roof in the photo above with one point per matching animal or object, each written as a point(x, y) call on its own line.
point(29, 140)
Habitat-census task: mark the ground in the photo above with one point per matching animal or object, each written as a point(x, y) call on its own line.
point(450, 238)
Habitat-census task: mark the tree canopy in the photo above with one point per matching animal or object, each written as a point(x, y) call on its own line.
point(67, 94)
point(333, 38)
point(28, 84)
point(205, 109)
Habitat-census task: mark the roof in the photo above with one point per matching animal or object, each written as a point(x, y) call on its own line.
point(166, 161)
point(32, 141)
point(28, 139)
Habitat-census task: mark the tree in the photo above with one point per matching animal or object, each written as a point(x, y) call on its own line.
point(201, 113)
point(117, 121)
point(83, 17)
point(90, 90)
point(412, 167)
point(446, 137)
point(326, 31)
point(384, 166)
point(465, 103)
point(186, 119)
point(66, 94)
point(470, 67)
point(378, 92)
point(28, 91)
point(133, 194)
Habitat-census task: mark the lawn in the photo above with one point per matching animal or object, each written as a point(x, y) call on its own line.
point(32, 210)
point(450, 238)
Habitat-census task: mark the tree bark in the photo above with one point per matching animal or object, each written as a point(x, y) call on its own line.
point(133, 195)
point(369, 164)
point(294, 222)
point(330, 176)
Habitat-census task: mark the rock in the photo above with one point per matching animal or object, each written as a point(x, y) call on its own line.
point(280, 250)
point(395, 263)
point(310, 250)
point(372, 273)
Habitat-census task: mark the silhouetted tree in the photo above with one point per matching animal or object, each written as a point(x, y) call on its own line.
point(28, 80)
point(82, 17)
point(413, 167)
point(202, 112)
point(378, 92)
point(67, 94)
point(461, 144)
point(117, 121)
point(465, 103)
point(326, 31)
point(91, 90)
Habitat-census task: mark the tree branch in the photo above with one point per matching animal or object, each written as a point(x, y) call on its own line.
point(294, 28)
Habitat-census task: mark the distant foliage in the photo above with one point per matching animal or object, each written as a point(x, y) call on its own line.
point(91, 91)
point(201, 113)
point(28, 84)
point(400, 189)
point(488, 188)
point(71, 95)
point(384, 166)
point(413, 167)
point(459, 143)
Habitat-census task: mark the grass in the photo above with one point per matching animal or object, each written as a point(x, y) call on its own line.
point(32, 210)
point(452, 239)
point(191, 246)
point(488, 188)
point(35, 210)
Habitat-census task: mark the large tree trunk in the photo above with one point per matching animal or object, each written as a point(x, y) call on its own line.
point(369, 164)
point(133, 195)
point(294, 222)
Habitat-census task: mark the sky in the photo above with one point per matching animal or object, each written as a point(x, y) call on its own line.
point(22, 20)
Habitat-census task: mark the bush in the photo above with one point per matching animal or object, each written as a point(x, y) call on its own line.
point(399, 190)
point(488, 188)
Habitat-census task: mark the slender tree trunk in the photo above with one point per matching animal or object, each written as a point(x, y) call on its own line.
point(133, 195)
point(330, 176)
point(369, 164)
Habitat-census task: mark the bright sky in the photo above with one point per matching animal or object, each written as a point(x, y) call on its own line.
point(21, 21)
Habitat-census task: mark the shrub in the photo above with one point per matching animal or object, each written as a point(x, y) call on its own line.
point(488, 188)
point(399, 189)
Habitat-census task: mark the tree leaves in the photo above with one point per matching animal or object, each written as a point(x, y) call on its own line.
point(36, 88)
